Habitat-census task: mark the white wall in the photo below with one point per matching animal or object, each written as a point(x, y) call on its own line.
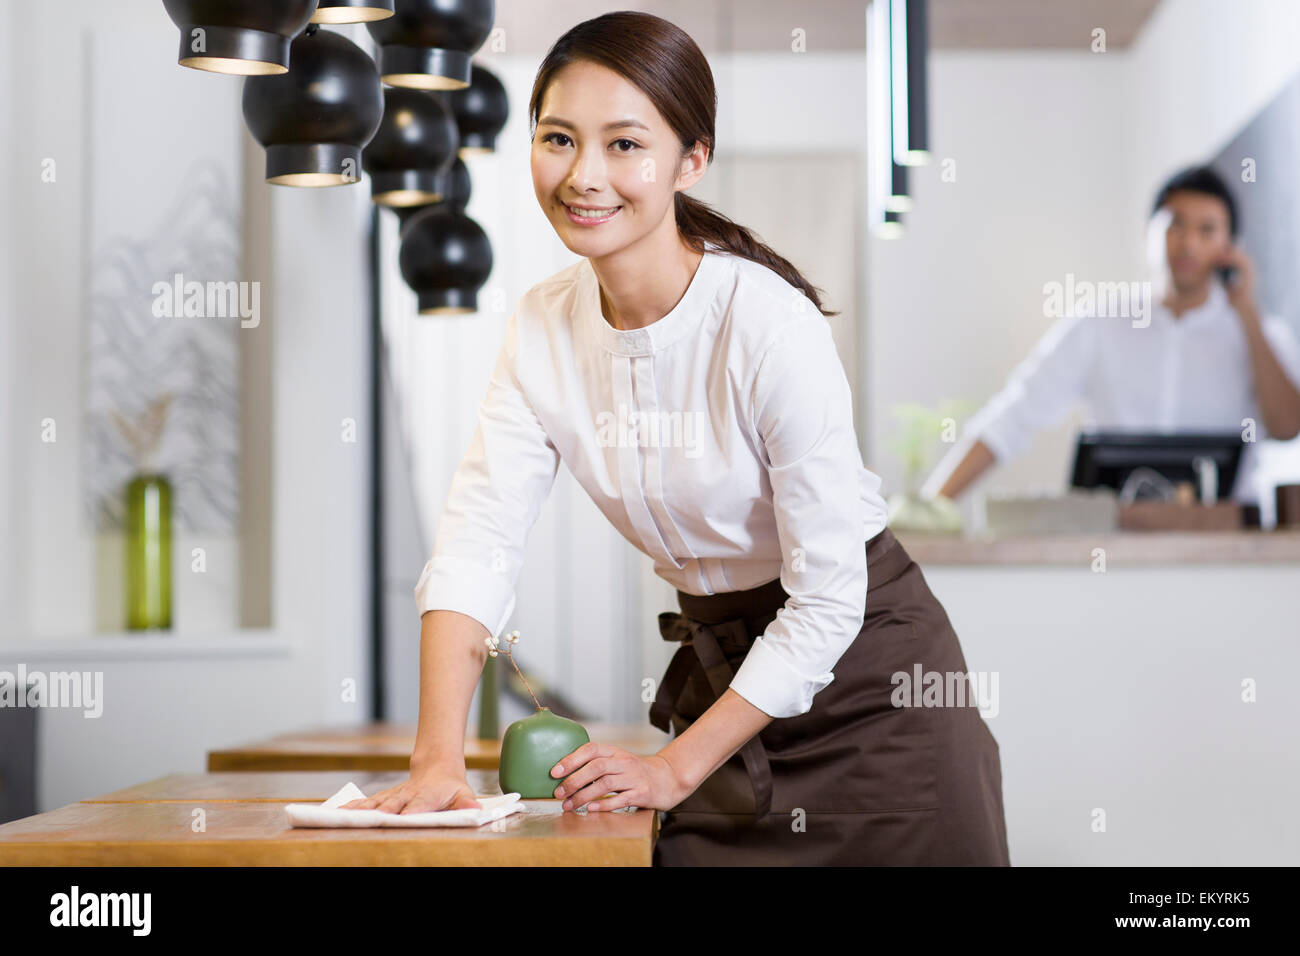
point(10, 489)
point(1040, 191)
point(168, 700)
point(46, 326)
point(1204, 69)
point(69, 581)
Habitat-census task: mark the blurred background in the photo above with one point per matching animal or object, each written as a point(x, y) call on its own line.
point(310, 447)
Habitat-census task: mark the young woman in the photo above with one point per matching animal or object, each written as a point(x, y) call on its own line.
point(743, 482)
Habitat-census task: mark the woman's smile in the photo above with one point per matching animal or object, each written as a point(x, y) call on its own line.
point(590, 215)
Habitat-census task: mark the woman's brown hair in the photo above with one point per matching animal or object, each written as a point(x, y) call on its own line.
point(664, 63)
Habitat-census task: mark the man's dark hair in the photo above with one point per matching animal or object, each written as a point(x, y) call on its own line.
point(1199, 179)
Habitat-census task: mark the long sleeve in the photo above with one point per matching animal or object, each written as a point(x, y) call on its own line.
point(803, 411)
point(494, 500)
point(1282, 340)
point(1039, 392)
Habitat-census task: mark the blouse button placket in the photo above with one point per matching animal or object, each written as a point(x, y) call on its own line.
point(629, 460)
point(643, 370)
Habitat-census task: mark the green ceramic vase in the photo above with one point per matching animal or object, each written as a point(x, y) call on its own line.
point(148, 553)
point(531, 747)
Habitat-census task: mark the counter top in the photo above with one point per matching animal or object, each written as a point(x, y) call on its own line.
point(151, 824)
point(1121, 547)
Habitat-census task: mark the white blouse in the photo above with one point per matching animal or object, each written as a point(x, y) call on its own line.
point(718, 440)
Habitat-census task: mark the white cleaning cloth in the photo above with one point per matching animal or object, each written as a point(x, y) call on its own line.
point(330, 814)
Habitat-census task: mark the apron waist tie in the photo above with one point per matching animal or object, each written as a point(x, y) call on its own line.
point(699, 642)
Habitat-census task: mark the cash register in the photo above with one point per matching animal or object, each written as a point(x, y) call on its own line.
point(1165, 481)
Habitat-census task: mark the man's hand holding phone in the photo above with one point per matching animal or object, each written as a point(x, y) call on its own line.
point(1238, 274)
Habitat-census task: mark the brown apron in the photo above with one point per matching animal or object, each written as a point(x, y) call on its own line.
point(856, 780)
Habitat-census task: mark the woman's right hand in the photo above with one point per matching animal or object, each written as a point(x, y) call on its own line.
point(421, 793)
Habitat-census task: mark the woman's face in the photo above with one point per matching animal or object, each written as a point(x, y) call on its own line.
point(601, 144)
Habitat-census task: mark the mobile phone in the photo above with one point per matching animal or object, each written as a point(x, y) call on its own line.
point(1228, 273)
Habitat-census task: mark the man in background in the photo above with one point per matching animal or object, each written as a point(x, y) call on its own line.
point(1206, 361)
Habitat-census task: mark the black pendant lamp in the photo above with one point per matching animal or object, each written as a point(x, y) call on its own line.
point(414, 147)
point(898, 200)
point(480, 110)
point(892, 227)
point(352, 11)
point(445, 258)
point(909, 47)
point(315, 119)
point(456, 184)
point(427, 44)
point(243, 37)
point(453, 187)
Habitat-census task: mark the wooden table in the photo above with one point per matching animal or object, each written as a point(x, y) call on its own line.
point(381, 747)
point(245, 825)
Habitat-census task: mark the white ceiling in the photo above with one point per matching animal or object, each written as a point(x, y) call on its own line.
point(753, 25)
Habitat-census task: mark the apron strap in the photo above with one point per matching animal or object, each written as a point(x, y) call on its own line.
point(672, 627)
point(699, 643)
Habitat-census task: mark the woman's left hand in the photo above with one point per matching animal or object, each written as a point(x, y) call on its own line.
point(595, 770)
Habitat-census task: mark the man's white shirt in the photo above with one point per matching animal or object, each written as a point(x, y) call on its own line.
point(1189, 373)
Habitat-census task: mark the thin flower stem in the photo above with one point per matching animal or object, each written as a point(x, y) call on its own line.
point(524, 679)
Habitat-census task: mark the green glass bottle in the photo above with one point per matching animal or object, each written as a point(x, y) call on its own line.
point(489, 702)
point(149, 553)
